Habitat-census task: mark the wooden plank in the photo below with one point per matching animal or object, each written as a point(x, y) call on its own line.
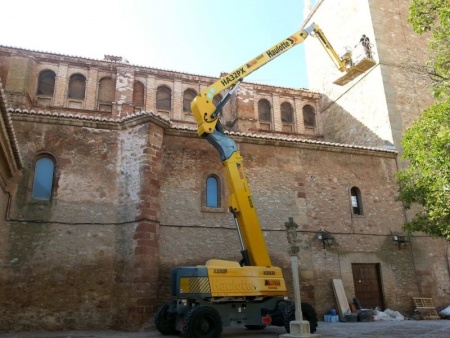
point(341, 298)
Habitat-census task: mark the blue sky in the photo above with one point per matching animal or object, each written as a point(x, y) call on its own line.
point(204, 37)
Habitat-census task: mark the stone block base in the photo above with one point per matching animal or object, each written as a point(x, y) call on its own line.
point(300, 329)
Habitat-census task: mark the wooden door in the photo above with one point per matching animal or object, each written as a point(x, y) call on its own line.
point(367, 282)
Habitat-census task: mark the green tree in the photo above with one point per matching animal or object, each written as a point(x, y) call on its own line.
point(426, 180)
point(434, 16)
point(426, 144)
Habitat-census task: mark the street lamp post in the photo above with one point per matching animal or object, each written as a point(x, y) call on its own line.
point(298, 327)
point(291, 231)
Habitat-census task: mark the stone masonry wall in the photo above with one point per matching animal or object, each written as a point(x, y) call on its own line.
point(146, 237)
point(88, 258)
point(59, 263)
point(355, 113)
point(376, 108)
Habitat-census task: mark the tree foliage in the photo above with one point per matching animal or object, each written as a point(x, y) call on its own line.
point(426, 180)
point(434, 16)
point(426, 144)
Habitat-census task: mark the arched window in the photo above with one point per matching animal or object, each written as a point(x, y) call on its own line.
point(163, 98)
point(264, 110)
point(188, 96)
point(138, 93)
point(356, 201)
point(264, 113)
point(309, 116)
point(77, 87)
point(287, 116)
point(46, 83)
point(212, 192)
point(43, 178)
point(287, 112)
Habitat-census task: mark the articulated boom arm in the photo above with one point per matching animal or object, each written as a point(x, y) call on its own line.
point(254, 250)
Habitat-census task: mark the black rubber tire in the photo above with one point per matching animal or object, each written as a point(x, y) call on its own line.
point(202, 322)
point(308, 312)
point(278, 313)
point(255, 327)
point(165, 321)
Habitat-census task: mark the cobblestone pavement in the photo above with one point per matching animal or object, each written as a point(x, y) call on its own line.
point(385, 329)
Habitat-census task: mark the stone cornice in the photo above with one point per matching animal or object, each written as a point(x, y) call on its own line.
point(189, 130)
point(89, 121)
point(282, 141)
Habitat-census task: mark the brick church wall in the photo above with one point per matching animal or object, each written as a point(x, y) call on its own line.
point(307, 183)
point(89, 258)
point(128, 203)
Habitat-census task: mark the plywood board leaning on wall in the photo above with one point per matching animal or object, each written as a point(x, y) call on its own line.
point(341, 298)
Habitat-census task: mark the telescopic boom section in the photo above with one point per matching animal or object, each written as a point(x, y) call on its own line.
point(203, 107)
point(207, 117)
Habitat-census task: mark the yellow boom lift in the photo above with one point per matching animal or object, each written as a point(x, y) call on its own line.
point(252, 292)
